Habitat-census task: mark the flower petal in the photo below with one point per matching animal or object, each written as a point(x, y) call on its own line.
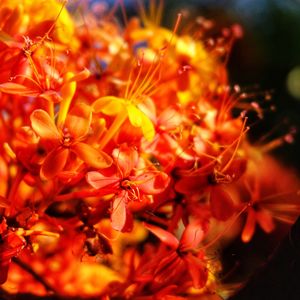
point(138, 119)
point(249, 227)
point(191, 237)
point(134, 115)
point(54, 163)
point(51, 96)
point(221, 204)
point(119, 214)
point(98, 180)
point(4, 266)
point(265, 220)
point(152, 183)
point(169, 119)
point(109, 105)
point(126, 159)
point(18, 89)
point(43, 125)
point(165, 236)
point(91, 156)
point(197, 270)
point(79, 120)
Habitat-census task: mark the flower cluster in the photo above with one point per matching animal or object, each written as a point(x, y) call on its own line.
point(124, 154)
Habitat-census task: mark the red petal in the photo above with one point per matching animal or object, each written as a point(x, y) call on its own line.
point(165, 236)
point(98, 181)
point(197, 270)
point(4, 266)
point(152, 183)
point(191, 184)
point(91, 156)
point(191, 237)
point(126, 158)
point(119, 212)
point(221, 204)
point(237, 168)
point(54, 163)
point(43, 125)
point(169, 268)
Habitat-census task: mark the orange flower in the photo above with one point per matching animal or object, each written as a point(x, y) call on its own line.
point(67, 140)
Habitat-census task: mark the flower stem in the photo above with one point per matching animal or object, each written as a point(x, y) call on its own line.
point(14, 188)
point(36, 276)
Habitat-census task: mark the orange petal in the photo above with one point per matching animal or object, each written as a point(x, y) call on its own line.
point(265, 221)
point(91, 156)
point(51, 96)
point(43, 125)
point(249, 227)
point(18, 89)
point(84, 74)
point(54, 163)
point(79, 120)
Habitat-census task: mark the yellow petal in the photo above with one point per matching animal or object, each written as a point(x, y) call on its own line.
point(134, 115)
point(109, 105)
point(147, 128)
point(67, 93)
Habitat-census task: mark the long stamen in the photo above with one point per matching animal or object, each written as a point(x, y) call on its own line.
point(238, 141)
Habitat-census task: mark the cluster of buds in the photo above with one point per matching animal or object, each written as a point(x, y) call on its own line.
point(124, 154)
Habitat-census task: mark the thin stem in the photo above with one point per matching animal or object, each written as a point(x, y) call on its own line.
point(36, 276)
point(14, 189)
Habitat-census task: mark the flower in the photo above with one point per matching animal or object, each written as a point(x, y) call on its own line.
point(61, 142)
point(127, 185)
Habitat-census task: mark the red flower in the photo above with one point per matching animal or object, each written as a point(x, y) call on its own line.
point(127, 185)
point(170, 264)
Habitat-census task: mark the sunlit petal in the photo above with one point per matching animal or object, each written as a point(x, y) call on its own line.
point(98, 180)
point(91, 156)
point(43, 125)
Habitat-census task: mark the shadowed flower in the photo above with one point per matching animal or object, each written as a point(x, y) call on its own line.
point(178, 262)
